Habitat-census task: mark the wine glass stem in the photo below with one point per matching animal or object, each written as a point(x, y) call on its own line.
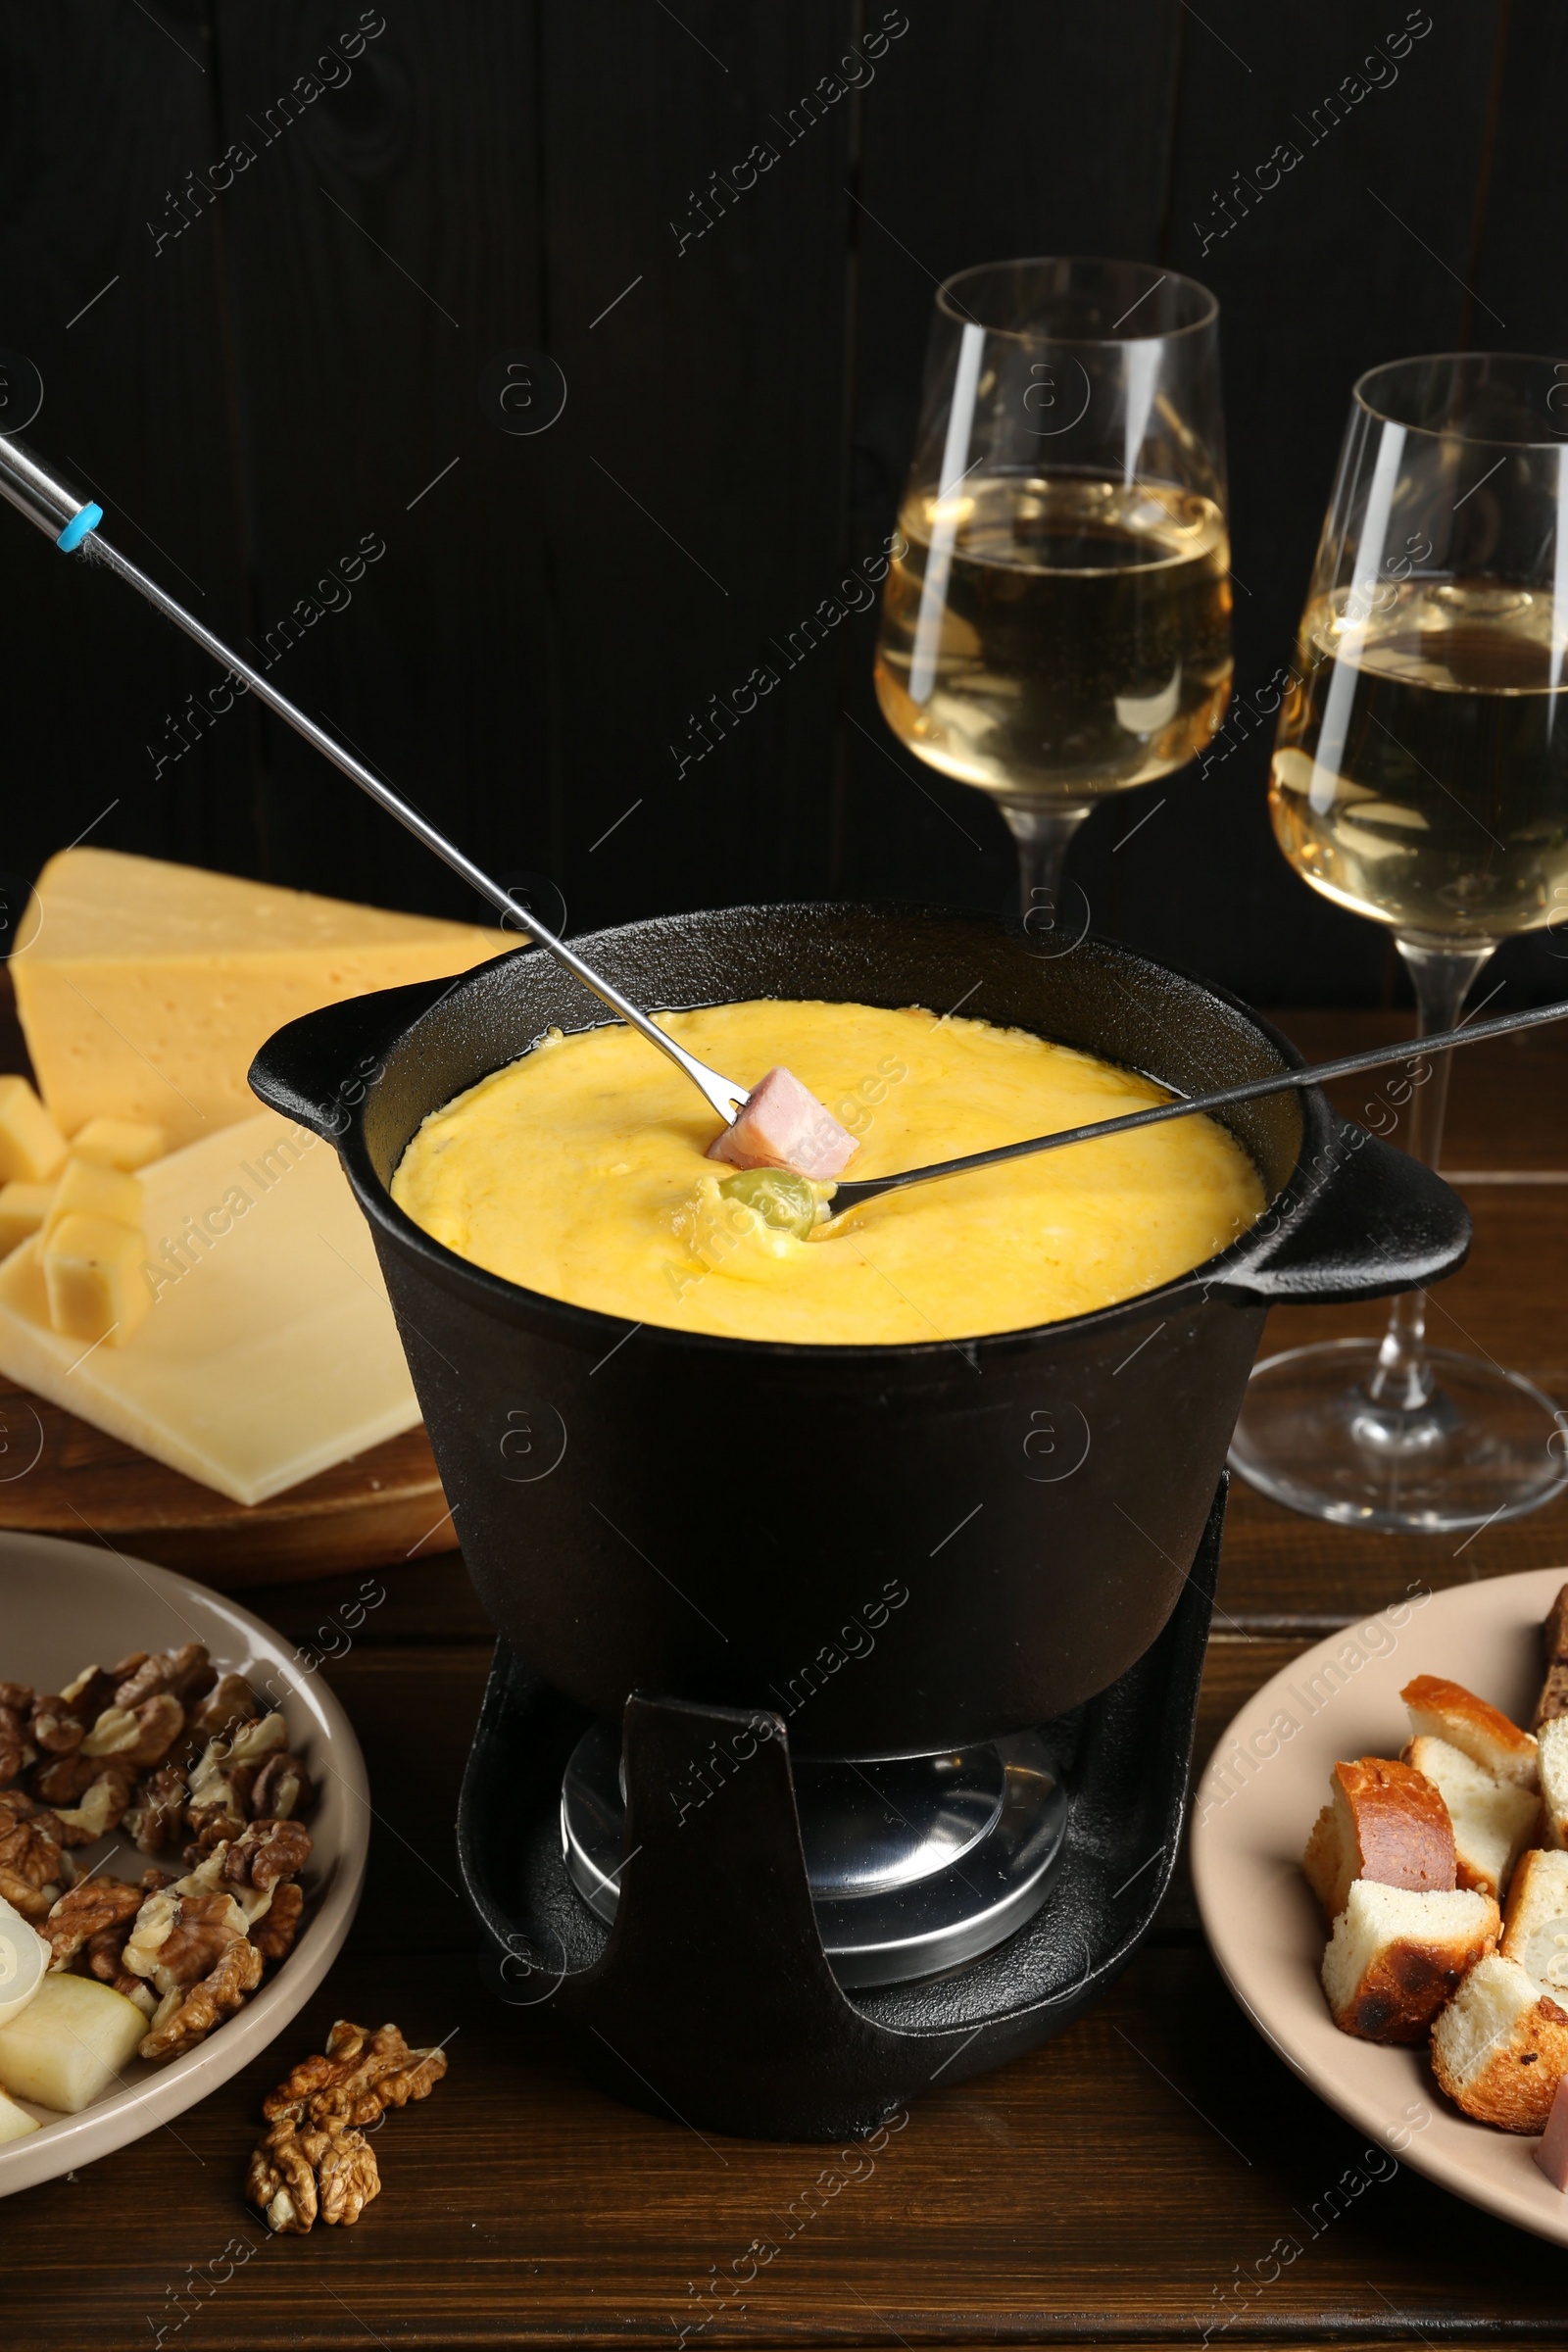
point(1042, 831)
point(1443, 978)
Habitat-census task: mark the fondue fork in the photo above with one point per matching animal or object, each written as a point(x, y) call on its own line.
point(851, 1195)
point(72, 522)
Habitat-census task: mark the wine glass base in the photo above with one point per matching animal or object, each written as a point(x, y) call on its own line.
point(1486, 1444)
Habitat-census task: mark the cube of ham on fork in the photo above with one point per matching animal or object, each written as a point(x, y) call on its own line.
point(785, 1126)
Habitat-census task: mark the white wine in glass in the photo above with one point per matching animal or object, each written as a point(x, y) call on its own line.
point(1057, 624)
point(1421, 772)
point(1421, 778)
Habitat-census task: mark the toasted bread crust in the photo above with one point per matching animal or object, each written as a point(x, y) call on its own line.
point(1554, 1633)
point(1384, 1821)
point(1454, 1704)
point(1402, 1825)
point(1519, 2082)
point(1401, 1993)
point(1324, 1863)
point(1553, 1700)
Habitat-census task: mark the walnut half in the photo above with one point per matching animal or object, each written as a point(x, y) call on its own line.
point(298, 2175)
point(96, 1904)
point(360, 2076)
point(185, 2017)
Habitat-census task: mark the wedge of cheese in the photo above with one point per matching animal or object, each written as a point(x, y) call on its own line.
point(270, 1352)
point(145, 988)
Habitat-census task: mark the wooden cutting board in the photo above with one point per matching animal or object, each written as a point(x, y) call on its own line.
point(63, 1476)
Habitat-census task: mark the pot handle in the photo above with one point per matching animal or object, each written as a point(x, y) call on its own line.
point(319, 1069)
point(1379, 1223)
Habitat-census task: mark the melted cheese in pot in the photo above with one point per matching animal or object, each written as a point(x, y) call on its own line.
point(580, 1171)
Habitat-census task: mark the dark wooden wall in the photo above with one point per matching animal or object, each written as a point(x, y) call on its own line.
point(254, 396)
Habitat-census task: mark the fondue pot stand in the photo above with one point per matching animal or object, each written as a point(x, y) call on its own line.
point(821, 1668)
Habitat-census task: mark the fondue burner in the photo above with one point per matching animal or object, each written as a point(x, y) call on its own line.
point(701, 1927)
point(914, 1863)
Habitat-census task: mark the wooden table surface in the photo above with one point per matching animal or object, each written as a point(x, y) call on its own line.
point(1109, 2186)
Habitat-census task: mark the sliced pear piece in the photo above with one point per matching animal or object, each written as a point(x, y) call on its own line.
point(70, 2044)
point(15, 2122)
point(24, 1961)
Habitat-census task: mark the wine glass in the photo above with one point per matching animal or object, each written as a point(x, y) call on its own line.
point(1057, 626)
point(1421, 777)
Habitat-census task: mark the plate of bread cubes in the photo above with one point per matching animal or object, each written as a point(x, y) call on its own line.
point(1380, 1852)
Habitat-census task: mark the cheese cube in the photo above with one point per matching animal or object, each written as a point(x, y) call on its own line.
point(86, 1190)
point(22, 1209)
point(145, 988)
point(127, 1144)
point(71, 2045)
point(31, 1146)
point(15, 2122)
point(92, 1271)
point(272, 1354)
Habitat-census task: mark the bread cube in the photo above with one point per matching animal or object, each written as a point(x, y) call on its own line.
point(1384, 1821)
point(31, 1146)
point(126, 1144)
point(1534, 1928)
point(71, 2045)
point(1396, 1955)
point(1500, 2047)
point(1553, 1700)
point(1442, 1711)
point(93, 1280)
point(1493, 1821)
point(1554, 1630)
point(23, 1210)
point(83, 1189)
point(1554, 1782)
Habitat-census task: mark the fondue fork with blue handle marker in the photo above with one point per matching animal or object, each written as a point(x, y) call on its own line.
point(851, 1195)
point(73, 522)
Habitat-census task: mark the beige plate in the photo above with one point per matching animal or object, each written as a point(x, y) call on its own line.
point(65, 1604)
point(1258, 1798)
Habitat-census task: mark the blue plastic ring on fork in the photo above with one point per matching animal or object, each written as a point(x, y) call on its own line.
point(76, 529)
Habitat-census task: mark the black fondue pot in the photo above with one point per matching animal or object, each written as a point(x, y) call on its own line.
point(902, 1548)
